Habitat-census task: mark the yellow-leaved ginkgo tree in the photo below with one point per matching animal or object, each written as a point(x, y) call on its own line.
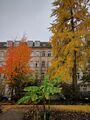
point(70, 29)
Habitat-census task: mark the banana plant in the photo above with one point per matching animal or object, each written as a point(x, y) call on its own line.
point(43, 92)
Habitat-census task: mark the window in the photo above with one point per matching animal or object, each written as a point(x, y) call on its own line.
point(2, 63)
point(16, 43)
point(43, 63)
point(78, 76)
point(36, 64)
point(43, 44)
point(43, 53)
point(31, 64)
point(32, 54)
point(49, 53)
point(37, 43)
point(2, 53)
point(49, 64)
point(9, 43)
point(84, 89)
point(30, 43)
point(37, 53)
point(42, 75)
point(1, 76)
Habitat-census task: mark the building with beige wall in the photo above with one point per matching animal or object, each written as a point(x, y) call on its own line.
point(39, 62)
point(40, 57)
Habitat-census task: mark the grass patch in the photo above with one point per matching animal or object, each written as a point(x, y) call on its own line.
point(83, 108)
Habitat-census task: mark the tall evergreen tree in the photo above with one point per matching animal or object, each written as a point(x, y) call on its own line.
point(69, 31)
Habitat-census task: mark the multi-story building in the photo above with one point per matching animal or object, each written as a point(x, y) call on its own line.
point(40, 57)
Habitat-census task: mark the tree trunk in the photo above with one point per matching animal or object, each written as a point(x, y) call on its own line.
point(44, 110)
point(74, 78)
point(11, 92)
point(74, 69)
point(0, 109)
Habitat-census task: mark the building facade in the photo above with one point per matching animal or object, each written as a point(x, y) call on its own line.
point(40, 57)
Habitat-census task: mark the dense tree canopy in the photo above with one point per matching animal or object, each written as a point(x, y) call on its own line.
point(17, 62)
point(69, 32)
point(16, 69)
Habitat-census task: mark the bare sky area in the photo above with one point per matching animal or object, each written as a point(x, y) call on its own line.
point(30, 17)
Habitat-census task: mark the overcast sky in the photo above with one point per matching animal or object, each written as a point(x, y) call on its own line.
point(30, 17)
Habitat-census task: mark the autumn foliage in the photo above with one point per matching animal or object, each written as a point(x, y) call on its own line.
point(69, 38)
point(1, 69)
point(17, 62)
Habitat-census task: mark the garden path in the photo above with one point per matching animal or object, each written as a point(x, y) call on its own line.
point(13, 114)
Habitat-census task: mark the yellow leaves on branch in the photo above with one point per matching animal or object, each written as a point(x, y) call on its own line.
point(61, 71)
point(85, 25)
point(81, 14)
point(69, 35)
point(73, 45)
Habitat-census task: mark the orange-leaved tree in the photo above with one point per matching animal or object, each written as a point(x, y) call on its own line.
point(17, 69)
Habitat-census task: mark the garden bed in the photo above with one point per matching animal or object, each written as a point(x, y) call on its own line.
point(54, 112)
point(36, 113)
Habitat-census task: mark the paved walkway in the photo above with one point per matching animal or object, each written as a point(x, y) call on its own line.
point(13, 114)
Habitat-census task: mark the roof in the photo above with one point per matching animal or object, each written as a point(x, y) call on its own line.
point(45, 44)
point(3, 44)
point(36, 44)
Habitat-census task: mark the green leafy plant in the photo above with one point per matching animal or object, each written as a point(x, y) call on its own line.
point(38, 93)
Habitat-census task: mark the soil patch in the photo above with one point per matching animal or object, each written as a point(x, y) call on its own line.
point(56, 115)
